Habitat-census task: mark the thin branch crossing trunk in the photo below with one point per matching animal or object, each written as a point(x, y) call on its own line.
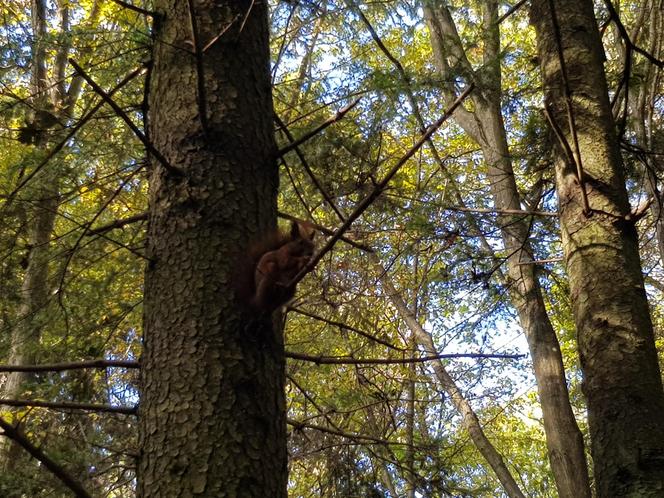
point(622, 381)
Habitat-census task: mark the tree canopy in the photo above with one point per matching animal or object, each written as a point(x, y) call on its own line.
point(475, 316)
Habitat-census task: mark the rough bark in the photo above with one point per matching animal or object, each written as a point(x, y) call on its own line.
point(212, 412)
point(622, 382)
point(563, 437)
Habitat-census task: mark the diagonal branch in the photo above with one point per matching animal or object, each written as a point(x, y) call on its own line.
point(308, 169)
point(511, 10)
point(69, 135)
point(332, 119)
point(326, 231)
point(135, 8)
point(626, 38)
point(123, 115)
point(344, 326)
point(15, 435)
point(379, 188)
point(117, 224)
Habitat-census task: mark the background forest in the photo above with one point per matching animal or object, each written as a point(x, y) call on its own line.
point(440, 346)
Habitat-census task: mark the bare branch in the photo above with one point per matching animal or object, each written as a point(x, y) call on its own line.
point(345, 360)
point(140, 10)
point(76, 365)
point(297, 425)
point(332, 119)
point(68, 405)
point(345, 327)
point(511, 10)
point(540, 261)
point(502, 211)
point(117, 224)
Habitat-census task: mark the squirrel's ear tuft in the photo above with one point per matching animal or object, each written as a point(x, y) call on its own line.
point(295, 230)
point(307, 232)
point(302, 230)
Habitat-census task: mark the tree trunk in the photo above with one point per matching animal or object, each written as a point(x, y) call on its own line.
point(643, 118)
point(622, 382)
point(212, 412)
point(30, 319)
point(469, 418)
point(563, 437)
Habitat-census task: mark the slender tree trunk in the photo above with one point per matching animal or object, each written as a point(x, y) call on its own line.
point(30, 319)
point(643, 110)
point(485, 125)
point(212, 412)
point(31, 316)
point(622, 382)
point(50, 100)
point(409, 474)
point(468, 416)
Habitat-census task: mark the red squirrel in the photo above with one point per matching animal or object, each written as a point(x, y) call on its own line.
point(274, 262)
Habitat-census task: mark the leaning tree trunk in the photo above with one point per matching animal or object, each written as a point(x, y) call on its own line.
point(485, 125)
point(469, 418)
point(622, 381)
point(212, 412)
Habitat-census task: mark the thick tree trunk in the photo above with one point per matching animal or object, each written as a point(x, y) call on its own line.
point(212, 412)
point(622, 382)
point(563, 437)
